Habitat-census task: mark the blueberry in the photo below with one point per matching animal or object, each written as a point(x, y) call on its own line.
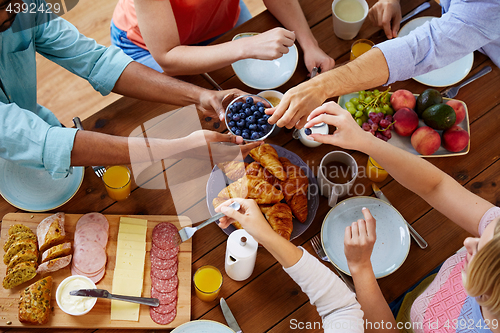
point(252, 127)
point(244, 106)
point(245, 135)
point(238, 105)
point(237, 132)
point(241, 123)
point(261, 134)
point(257, 114)
point(249, 100)
point(262, 109)
point(248, 112)
point(233, 129)
point(266, 127)
point(266, 117)
point(242, 115)
point(254, 108)
point(250, 119)
point(245, 130)
point(236, 117)
point(262, 121)
point(231, 124)
point(308, 131)
point(255, 136)
point(259, 104)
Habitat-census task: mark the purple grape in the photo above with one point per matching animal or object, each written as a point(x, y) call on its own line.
point(379, 135)
point(372, 131)
point(372, 116)
point(388, 118)
point(387, 134)
point(374, 127)
point(366, 126)
point(384, 123)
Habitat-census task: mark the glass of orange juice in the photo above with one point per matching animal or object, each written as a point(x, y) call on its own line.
point(117, 181)
point(359, 47)
point(207, 283)
point(375, 172)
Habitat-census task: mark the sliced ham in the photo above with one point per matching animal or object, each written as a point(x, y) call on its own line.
point(91, 232)
point(93, 218)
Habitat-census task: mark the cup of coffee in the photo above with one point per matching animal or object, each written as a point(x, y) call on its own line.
point(336, 176)
point(348, 17)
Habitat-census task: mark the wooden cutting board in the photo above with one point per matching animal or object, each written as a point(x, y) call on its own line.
point(99, 316)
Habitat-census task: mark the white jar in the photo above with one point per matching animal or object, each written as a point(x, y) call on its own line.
point(241, 253)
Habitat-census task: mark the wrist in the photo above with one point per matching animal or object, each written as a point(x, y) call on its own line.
point(360, 268)
point(244, 49)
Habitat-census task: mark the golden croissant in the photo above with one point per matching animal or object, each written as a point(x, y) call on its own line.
point(295, 188)
point(268, 158)
point(251, 187)
point(234, 170)
point(280, 218)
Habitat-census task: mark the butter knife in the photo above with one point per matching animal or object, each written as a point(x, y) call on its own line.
point(231, 321)
point(101, 293)
point(414, 12)
point(414, 234)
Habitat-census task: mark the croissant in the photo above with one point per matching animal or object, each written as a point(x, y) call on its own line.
point(251, 187)
point(295, 189)
point(279, 217)
point(265, 208)
point(217, 202)
point(255, 169)
point(234, 170)
point(268, 157)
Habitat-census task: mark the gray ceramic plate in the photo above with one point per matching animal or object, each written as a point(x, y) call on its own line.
point(202, 326)
point(217, 182)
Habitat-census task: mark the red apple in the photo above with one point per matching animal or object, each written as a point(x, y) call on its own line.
point(455, 139)
point(403, 99)
point(425, 140)
point(459, 110)
point(406, 121)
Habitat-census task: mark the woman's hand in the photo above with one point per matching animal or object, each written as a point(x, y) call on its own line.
point(359, 239)
point(214, 103)
point(347, 135)
point(316, 57)
point(386, 14)
point(268, 45)
point(249, 216)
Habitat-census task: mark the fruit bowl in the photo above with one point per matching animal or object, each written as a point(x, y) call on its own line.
point(245, 117)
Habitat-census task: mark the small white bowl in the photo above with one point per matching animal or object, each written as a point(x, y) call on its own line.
point(271, 94)
point(89, 285)
point(266, 74)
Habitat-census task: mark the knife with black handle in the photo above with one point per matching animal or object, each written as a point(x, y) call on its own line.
point(101, 293)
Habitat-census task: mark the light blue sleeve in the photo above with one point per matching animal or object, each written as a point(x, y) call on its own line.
point(466, 27)
point(29, 141)
point(59, 41)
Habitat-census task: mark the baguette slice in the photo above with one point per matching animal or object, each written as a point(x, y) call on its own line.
point(25, 244)
point(14, 229)
point(34, 305)
point(21, 273)
point(17, 237)
point(54, 265)
point(22, 256)
point(60, 250)
point(50, 231)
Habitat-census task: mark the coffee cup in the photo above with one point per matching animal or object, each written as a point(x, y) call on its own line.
point(348, 17)
point(336, 175)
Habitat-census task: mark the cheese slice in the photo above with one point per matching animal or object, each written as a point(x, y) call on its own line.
point(134, 274)
point(130, 244)
point(130, 220)
point(129, 263)
point(132, 229)
point(131, 237)
point(125, 310)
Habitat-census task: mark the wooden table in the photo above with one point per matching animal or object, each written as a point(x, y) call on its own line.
point(269, 300)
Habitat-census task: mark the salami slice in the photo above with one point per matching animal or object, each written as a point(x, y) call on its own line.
point(162, 319)
point(165, 286)
point(91, 232)
point(164, 298)
point(164, 254)
point(164, 274)
point(162, 263)
point(89, 257)
point(165, 308)
point(93, 218)
point(165, 235)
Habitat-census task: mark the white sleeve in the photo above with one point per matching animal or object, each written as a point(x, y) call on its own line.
point(335, 303)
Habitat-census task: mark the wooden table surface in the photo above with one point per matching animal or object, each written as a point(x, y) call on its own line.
point(269, 299)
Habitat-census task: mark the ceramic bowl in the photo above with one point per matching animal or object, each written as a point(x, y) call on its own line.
point(88, 283)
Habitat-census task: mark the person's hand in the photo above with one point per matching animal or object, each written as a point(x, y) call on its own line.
point(268, 45)
point(249, 216)
point(296, 105)
point(386, 14)
point(316, 57)
point(348, 133)
point(359, 239)
point(213, 103)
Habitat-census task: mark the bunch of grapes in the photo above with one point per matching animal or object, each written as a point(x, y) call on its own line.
point(379, 125)
point(369, 102)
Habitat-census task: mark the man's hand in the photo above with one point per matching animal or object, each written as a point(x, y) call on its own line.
point(386, 14)
point(296, 105)
point(359, 239)
point(214, 103)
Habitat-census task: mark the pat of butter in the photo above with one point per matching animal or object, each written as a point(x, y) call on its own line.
point(75, 304)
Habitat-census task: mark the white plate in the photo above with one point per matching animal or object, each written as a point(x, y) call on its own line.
point(393, 238)
point(442, 77)
point(404, 142)
point(217, 182)
point(202, 326)
point(266, 74)
point(34, 190)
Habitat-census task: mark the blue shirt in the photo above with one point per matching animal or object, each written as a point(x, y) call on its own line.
point(465, 26)
point(30, 134)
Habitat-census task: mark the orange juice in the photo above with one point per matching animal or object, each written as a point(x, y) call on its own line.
point(207, 283)
point(359, 47)
point(375, 172)
point(117, 181)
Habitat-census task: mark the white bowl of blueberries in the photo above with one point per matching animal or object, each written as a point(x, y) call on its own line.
point(246, 117)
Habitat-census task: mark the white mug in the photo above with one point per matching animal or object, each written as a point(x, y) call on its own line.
point(329, 189)
point(347, 30)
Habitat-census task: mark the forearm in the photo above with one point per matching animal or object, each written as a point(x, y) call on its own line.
point(284, 251)
point(141, 82)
